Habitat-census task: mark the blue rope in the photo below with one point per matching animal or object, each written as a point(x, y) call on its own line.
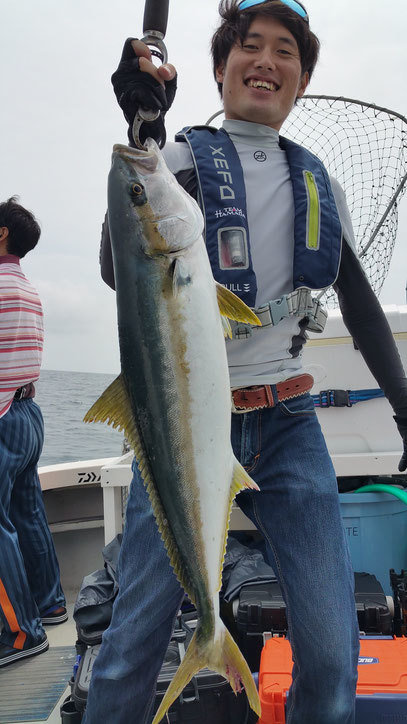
point(345, 398)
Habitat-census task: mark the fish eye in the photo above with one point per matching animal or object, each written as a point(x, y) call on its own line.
point(137, 189)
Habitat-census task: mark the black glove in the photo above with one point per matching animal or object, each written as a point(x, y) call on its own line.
point(134, 89)
point(402, 428)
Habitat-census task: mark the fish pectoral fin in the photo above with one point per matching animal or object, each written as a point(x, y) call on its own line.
point(221, 655)
point(233, 307)
point(181, 276)
point(227, 329)
point(241, 480)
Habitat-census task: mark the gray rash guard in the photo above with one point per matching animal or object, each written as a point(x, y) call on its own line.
point(273, 354)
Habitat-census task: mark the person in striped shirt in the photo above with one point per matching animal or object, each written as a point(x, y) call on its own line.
point(30, 588)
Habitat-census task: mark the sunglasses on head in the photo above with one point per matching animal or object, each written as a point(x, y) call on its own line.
point(292, 4)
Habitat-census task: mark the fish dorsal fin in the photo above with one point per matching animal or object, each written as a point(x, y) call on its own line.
point(233, 307)
point(241, 480)
point(114, 407)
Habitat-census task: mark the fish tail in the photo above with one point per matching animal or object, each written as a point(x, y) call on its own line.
point(222, 655)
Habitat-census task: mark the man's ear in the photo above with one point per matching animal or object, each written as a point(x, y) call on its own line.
point(3, 233)
point(220, 74)
point(303, 85)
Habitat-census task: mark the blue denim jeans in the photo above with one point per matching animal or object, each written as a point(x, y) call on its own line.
point(297, 510)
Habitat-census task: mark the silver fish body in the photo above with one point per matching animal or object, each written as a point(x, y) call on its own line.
point(173, 396)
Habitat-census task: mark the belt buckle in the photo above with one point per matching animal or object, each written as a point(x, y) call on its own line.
point(279, 310)
point(21, 391)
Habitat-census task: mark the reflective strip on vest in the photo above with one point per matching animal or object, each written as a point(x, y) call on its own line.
point(313, 211)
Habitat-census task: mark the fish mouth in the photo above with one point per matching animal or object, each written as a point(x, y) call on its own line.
point(130, 152)
point(143, 160)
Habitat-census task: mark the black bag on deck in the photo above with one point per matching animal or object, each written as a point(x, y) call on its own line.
point(94, 602)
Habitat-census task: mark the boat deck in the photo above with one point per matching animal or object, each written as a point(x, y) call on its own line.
point(28, 673)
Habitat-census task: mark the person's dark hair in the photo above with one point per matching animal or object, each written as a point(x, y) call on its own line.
point(235, 25)
point(23, 229)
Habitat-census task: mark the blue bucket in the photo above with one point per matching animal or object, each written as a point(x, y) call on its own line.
point(376, 531)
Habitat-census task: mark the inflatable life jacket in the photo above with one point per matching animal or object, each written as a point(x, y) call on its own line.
point(317, 228)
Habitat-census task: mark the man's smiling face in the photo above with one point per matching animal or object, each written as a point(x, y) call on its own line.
point(262, 77)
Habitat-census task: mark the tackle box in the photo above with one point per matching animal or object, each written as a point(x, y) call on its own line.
point(381, 693)
point(261, 608)
point(372, 608)
point(207, 698)
point(81, 682)
point(399, 586)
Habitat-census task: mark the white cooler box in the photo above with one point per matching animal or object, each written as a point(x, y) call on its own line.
point(362, 439)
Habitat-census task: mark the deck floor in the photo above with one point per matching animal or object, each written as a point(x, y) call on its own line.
point(63, 634)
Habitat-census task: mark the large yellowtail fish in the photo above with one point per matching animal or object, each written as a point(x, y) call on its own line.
point(172, 398)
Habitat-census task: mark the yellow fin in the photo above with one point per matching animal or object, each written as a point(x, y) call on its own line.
point(231, 306)
point(113, 407)
point(227, 329)
point(221, 655)
point(241, 480)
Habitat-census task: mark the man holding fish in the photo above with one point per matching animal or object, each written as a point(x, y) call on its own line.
point(276, 227)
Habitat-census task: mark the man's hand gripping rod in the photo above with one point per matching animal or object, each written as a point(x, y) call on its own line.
point(155, 16)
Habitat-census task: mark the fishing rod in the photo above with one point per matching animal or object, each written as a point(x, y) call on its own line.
point(154, 29)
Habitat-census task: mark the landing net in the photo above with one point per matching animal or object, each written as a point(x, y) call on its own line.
point(365, 148)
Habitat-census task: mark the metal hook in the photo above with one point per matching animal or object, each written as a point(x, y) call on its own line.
point(152, 38)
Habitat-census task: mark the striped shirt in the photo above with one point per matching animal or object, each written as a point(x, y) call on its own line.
point(21, 331)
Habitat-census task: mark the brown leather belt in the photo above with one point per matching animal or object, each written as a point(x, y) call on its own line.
point(25, 392)
point(257, 397)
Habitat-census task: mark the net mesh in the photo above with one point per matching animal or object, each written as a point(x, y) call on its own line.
point(365, 148)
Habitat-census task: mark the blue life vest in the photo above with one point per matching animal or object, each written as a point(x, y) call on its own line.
point(222, 196)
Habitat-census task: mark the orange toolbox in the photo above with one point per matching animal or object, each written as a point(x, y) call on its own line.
point(381, 693)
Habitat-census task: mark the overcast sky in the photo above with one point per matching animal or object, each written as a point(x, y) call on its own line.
point(59, 120)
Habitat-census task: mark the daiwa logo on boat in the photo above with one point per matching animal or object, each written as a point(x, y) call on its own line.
point(226, 192)
point(367, 660)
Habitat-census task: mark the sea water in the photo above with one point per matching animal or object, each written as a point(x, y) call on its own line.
point(64, 398)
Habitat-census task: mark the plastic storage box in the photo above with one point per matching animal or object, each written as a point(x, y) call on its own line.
point(260, 608)
point(376, 530)
point(381, 693)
